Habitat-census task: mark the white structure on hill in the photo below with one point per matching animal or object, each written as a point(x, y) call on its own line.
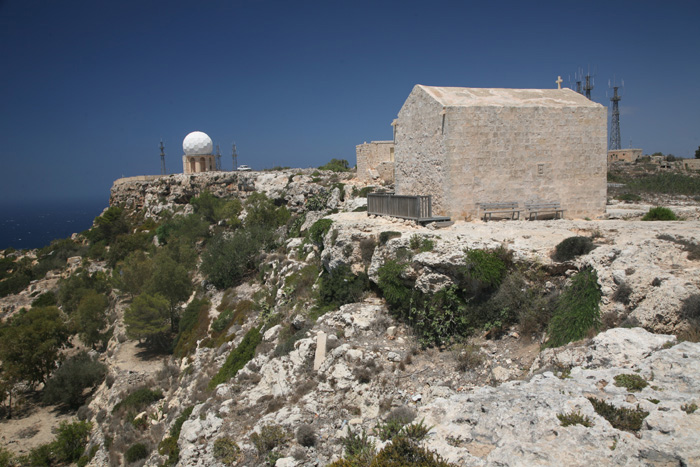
point(199, 157)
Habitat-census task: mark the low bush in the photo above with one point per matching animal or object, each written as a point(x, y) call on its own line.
point(622, 294)
point(341, 286)
point(68, 382)
point(238, 358)
point(336, 165)
point(402, 451)
point(574, 418)
point(388, 235)
point(689, 408)
point(630, 381)
point(620, 418)
point(168, 446)
point(358, 447)
point(136, 452)
point(71, 439)
point(629, 197)
point(226, 450)
point(139, 399)
point(394, 423)
point(421, 243)
point(367, 246)
point(571, 247)
point(270, 437)
point(193, 326)
point(659, 214)
point(485, 269)
point(577, 311)
point(306, 435)
point(318, 230)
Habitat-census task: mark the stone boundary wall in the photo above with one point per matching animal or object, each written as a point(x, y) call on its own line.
point(375, 161)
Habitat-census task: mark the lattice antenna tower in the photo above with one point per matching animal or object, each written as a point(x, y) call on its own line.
point(615, 118)
point(218, 158)
point(162, 158)
point(234, 155)
point(589, 84)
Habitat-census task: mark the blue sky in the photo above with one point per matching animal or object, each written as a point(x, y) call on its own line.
point(88, 88)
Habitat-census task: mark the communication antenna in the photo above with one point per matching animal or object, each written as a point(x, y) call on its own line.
point(234, 155)
point(589, 84)
point(162, 157)
point(218, 158)
point(615, 118)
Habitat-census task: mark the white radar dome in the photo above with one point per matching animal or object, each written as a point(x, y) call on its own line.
point(197, 144)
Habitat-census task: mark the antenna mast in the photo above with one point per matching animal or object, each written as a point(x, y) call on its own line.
point(615, 120)
point(218, 158)
point(588, 86)
point(162, 158)
point(234, 154)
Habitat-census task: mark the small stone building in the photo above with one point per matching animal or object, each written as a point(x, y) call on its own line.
point(624, 155)
point(466, 146)
point(375, 161)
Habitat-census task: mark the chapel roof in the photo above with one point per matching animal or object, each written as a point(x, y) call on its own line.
point(479, 97)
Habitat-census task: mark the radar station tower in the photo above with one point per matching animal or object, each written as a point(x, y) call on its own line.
point(234, 155)
point(218, 158)
point(615, 120)
point(162, 158)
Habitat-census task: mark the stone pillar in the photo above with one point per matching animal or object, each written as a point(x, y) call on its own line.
point(320, 350)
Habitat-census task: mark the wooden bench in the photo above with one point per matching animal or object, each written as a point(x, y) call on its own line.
point(489, 209)
point(537, 207)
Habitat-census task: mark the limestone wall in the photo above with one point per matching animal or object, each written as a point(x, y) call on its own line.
point(197, 164)
point(496, 153)
point(419, 167)
point(375, 161)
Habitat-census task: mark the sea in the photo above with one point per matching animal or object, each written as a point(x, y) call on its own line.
point(33, 224)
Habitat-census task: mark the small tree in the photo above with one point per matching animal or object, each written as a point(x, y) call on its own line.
point(148, 319)
point(91, 317)
point(30, 344)
point(132, 274)
point(172, 281)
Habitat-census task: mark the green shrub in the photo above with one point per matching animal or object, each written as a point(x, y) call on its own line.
point(388, 235)
point(358, 447)
point(574, 418)
point(269, 438)
point(659, 214)
point(630, 381)
point(318, 230)
point(295, 224)
point(226, 450)
point(139, 399)
point(666, 183)
point(571, 247)
point(193, 326)
point(341, 286)
point(577, 311)
point(71, 439)
point(68, 382)
point(620, 418)
point(306, 435)
point(238, 358)
point(403, 452)
point(45, 299)
point(6, 458)
point(484, 269)
point(227, 259)
point(336, 165)
point(396, 290)
point(136, 452)
point(319, 201)
point(168, 446)
point(689, 408)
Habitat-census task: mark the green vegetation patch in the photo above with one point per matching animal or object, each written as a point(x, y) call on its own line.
point(574, 418)
point(572, 247)
point(136, 452)
point(620, 418)
point(318, 230)
point(193, 325)
point(659, 213)
point(578, 310)
point(336, 165)
point(388, 235)
point(630, 381)
point(139, 399)
point(226, 450)
point(238, 358)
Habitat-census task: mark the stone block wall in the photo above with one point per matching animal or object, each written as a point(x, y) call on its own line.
point(375, 161)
